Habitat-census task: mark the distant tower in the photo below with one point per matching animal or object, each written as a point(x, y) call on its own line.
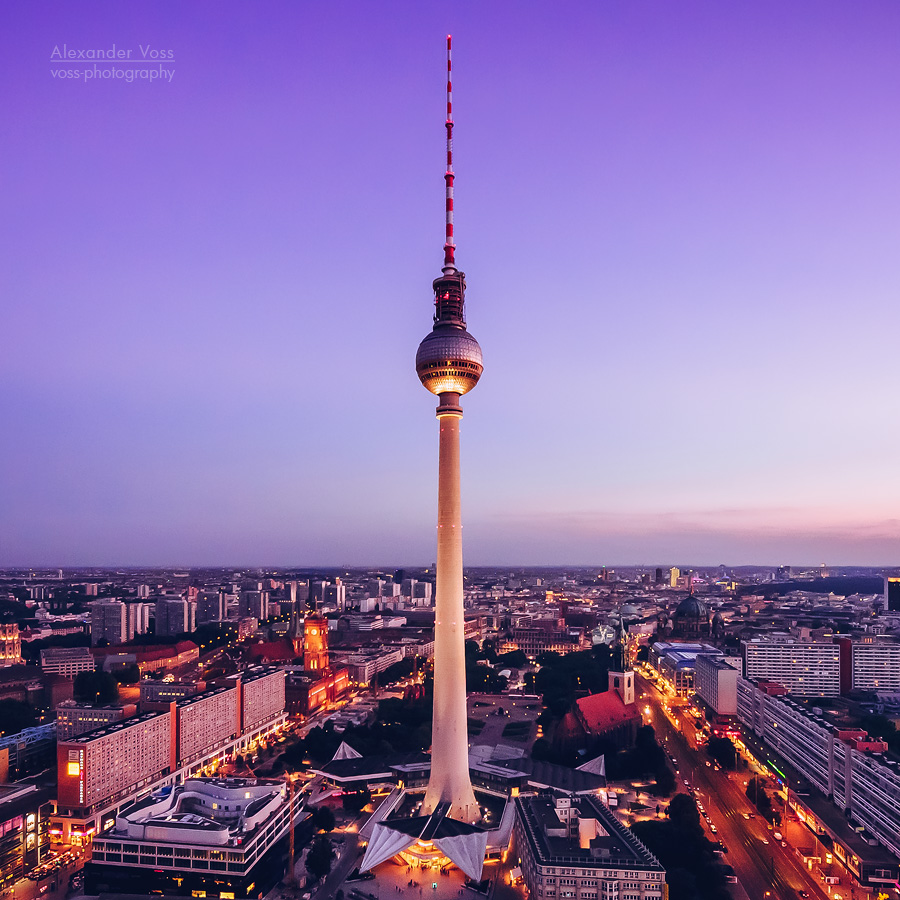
point(449, 364)
point(315, 643)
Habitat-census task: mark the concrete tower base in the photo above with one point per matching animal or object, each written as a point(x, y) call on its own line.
point(450, 780)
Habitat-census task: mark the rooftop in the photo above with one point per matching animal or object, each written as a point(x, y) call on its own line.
point(615, 847)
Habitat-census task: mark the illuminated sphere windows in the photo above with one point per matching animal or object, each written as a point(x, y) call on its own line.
point(449, 360)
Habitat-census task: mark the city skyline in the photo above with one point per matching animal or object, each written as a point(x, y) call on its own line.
point(682, 218)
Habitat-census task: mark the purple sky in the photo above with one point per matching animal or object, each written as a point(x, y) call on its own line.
point(680, 224)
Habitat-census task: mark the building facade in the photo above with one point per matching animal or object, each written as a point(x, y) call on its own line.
point(67, 661)
point(74, 718)
point(574, 847)
point(804, 668)
point(851, 769)
point(214, 838)
point(715, 682)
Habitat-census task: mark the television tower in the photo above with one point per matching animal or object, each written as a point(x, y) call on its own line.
point(449, 364)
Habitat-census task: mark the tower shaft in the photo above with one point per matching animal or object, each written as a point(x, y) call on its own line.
point(449, 739)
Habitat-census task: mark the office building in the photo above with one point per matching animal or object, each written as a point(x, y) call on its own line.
point(67, 661)
point(575, 847)
point(715, 683)
point(892, 593)
point(209, 837)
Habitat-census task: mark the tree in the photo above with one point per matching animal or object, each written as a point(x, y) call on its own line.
point(319, 857)
point(95, 687)
point(129, 675)
point(723, 751)
point(665, 782)
point(756, 793)
point(356, 801)
point(16, 715)
point(323, 818)
point(684, 814)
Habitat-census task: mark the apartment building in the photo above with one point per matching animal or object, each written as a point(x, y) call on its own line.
point(109, 622)
point(262, 695)
point(851, 769)
point(74, 718)
point(875, 666)
point(175, 616)
point(206, 721)
point(804, 668)
point(104, 771)
point(211, 607)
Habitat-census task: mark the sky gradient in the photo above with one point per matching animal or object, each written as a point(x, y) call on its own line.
point(679, 224)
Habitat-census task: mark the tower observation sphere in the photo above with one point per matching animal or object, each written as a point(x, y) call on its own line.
point(449, 359)
point(449, 364)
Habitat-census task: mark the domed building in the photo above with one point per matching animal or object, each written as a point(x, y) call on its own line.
point(690, 618)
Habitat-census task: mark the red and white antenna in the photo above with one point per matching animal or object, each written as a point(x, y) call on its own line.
point(449, 246)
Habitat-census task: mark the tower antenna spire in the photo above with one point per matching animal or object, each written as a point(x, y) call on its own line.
point(449, 246)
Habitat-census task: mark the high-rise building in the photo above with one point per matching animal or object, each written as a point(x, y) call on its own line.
point(892, 593)
point(255, 603)
point(137, 617)
point(422, 593)
point(674, 575)
point(175, 616)
point(715, 682)
point(109, 622)
point(336, 595)
point(210, 607)
point(449, 364)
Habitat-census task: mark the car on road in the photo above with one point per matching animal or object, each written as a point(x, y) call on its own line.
point(746, 815)
point(803, 894)
point(764, 840)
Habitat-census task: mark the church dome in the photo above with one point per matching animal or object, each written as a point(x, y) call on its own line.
point(629, 610)
point(691, 608)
